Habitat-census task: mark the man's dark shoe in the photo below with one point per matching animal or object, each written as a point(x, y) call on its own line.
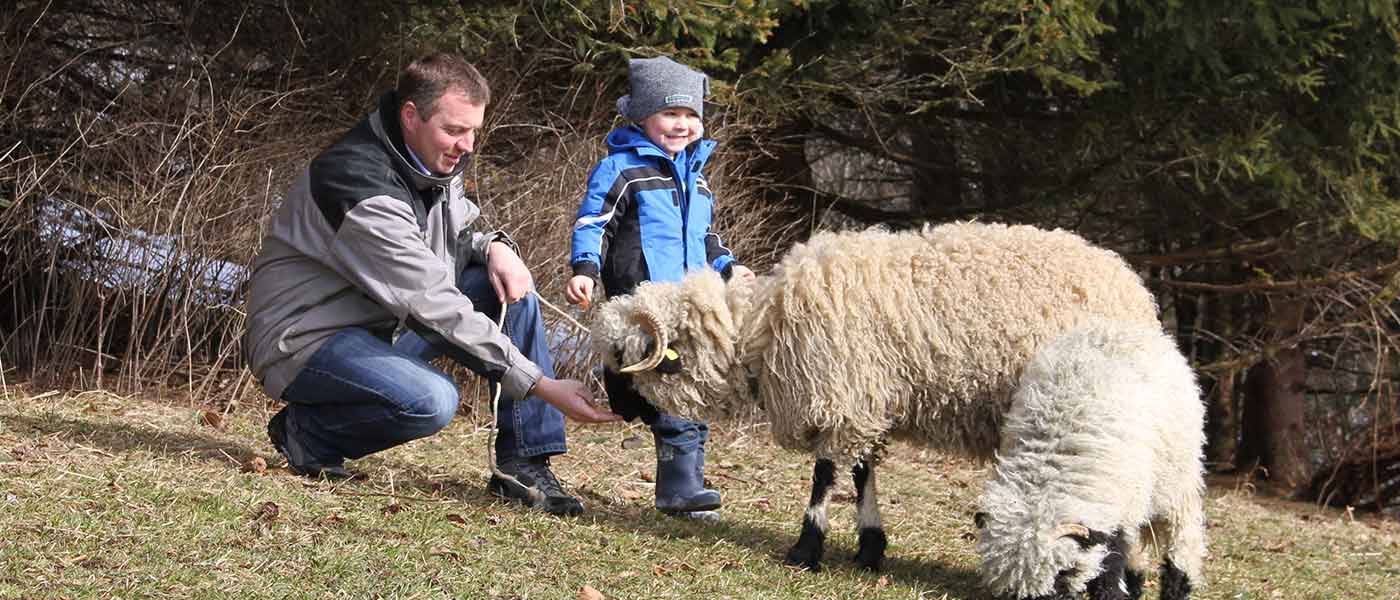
point(298, 460)
point(531, 482)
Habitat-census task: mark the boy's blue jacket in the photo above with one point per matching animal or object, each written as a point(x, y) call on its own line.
point(646, 217)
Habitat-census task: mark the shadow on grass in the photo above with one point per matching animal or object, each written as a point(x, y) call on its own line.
point(419, 482)
point(772, 543)
point(115, 437)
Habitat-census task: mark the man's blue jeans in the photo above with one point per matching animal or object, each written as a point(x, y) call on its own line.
point(359, 394)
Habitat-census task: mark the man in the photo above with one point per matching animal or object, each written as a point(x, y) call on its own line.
point(370, 268)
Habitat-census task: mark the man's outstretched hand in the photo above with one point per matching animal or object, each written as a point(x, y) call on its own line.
point(573, 399)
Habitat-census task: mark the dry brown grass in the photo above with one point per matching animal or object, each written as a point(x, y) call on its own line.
point(120, 496)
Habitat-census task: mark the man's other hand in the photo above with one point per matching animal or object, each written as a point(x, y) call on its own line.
point(509, 276)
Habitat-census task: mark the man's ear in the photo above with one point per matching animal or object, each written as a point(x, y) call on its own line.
point(409, 116)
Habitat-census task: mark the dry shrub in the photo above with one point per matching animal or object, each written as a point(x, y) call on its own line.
point(130, 219)
point(141, 236)
point(141, 144)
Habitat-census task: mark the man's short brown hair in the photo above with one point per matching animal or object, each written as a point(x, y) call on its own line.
point(428, 78)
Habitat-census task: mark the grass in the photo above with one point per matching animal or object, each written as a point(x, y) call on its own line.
point(104, 497)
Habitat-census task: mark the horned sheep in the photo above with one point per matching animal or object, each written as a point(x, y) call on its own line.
point(1101, 451)
point(855, 338)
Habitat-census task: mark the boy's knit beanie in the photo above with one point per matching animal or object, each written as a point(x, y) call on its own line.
point(659, 83)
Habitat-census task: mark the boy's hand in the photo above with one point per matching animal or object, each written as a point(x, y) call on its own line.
point(509, 276)
point(579, 290)
point(742, 273)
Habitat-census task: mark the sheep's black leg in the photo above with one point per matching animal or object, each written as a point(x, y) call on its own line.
point(1134, 579)
point(807, 552)
point(872, 535)
point(1110, 584)
point(1175, 584)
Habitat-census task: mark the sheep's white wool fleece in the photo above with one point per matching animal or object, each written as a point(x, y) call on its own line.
point(1105, 430)
point(859, 335)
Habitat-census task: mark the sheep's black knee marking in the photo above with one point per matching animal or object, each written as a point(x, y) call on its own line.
point(1175, 584)
point(1135, 581)
point(807, 552)
point(860, 474)
point(823, 477)
point(872, 548)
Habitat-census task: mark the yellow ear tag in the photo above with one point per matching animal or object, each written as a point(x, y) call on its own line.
point(671, 354)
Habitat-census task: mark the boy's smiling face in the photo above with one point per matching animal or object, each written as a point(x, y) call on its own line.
point(672, 129)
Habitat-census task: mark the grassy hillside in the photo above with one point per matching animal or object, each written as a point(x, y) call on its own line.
point(106, 496)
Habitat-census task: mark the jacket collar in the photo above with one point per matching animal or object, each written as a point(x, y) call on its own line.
point(631, 138)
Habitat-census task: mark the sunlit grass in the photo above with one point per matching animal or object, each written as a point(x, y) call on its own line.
point(121, 497)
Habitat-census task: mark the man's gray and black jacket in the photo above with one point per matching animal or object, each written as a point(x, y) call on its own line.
point(364, 239)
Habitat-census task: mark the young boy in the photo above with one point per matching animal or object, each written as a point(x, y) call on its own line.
point(646, 217)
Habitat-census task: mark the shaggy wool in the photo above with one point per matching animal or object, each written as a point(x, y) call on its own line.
point(1105, 432)
point(856, 337)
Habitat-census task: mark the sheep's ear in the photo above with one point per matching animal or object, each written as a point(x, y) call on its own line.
point(980, 518)
point(670, 360)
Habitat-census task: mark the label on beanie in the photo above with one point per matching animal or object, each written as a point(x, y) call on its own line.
point(678, 98)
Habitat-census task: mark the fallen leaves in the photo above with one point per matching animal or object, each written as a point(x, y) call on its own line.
point(264, 515)
point(267, 511)
point(256, 465)
point(210, 418)
point(447, 553)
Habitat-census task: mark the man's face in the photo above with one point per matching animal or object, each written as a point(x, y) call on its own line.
point(672, 129)
point(445, 138)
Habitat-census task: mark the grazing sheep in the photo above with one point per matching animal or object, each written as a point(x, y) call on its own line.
point(857, 337)
point(1101, 452)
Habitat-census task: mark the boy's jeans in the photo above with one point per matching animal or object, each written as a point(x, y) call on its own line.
point(359, 394)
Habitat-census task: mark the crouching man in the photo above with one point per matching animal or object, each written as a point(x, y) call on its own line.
point(371, 268)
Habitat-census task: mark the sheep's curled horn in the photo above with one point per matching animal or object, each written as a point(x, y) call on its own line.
point(1073, 530)
point(653, 328)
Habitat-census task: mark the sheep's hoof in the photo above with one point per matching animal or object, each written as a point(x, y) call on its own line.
point(871, 551)
point(805, 558)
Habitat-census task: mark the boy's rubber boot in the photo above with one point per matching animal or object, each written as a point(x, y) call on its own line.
point(680, 468)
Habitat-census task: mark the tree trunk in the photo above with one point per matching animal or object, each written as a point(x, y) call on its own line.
point(1222, 423)
point(1275, 405)
point(1273, 420)
point(1198, 316)
point(936, 193)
